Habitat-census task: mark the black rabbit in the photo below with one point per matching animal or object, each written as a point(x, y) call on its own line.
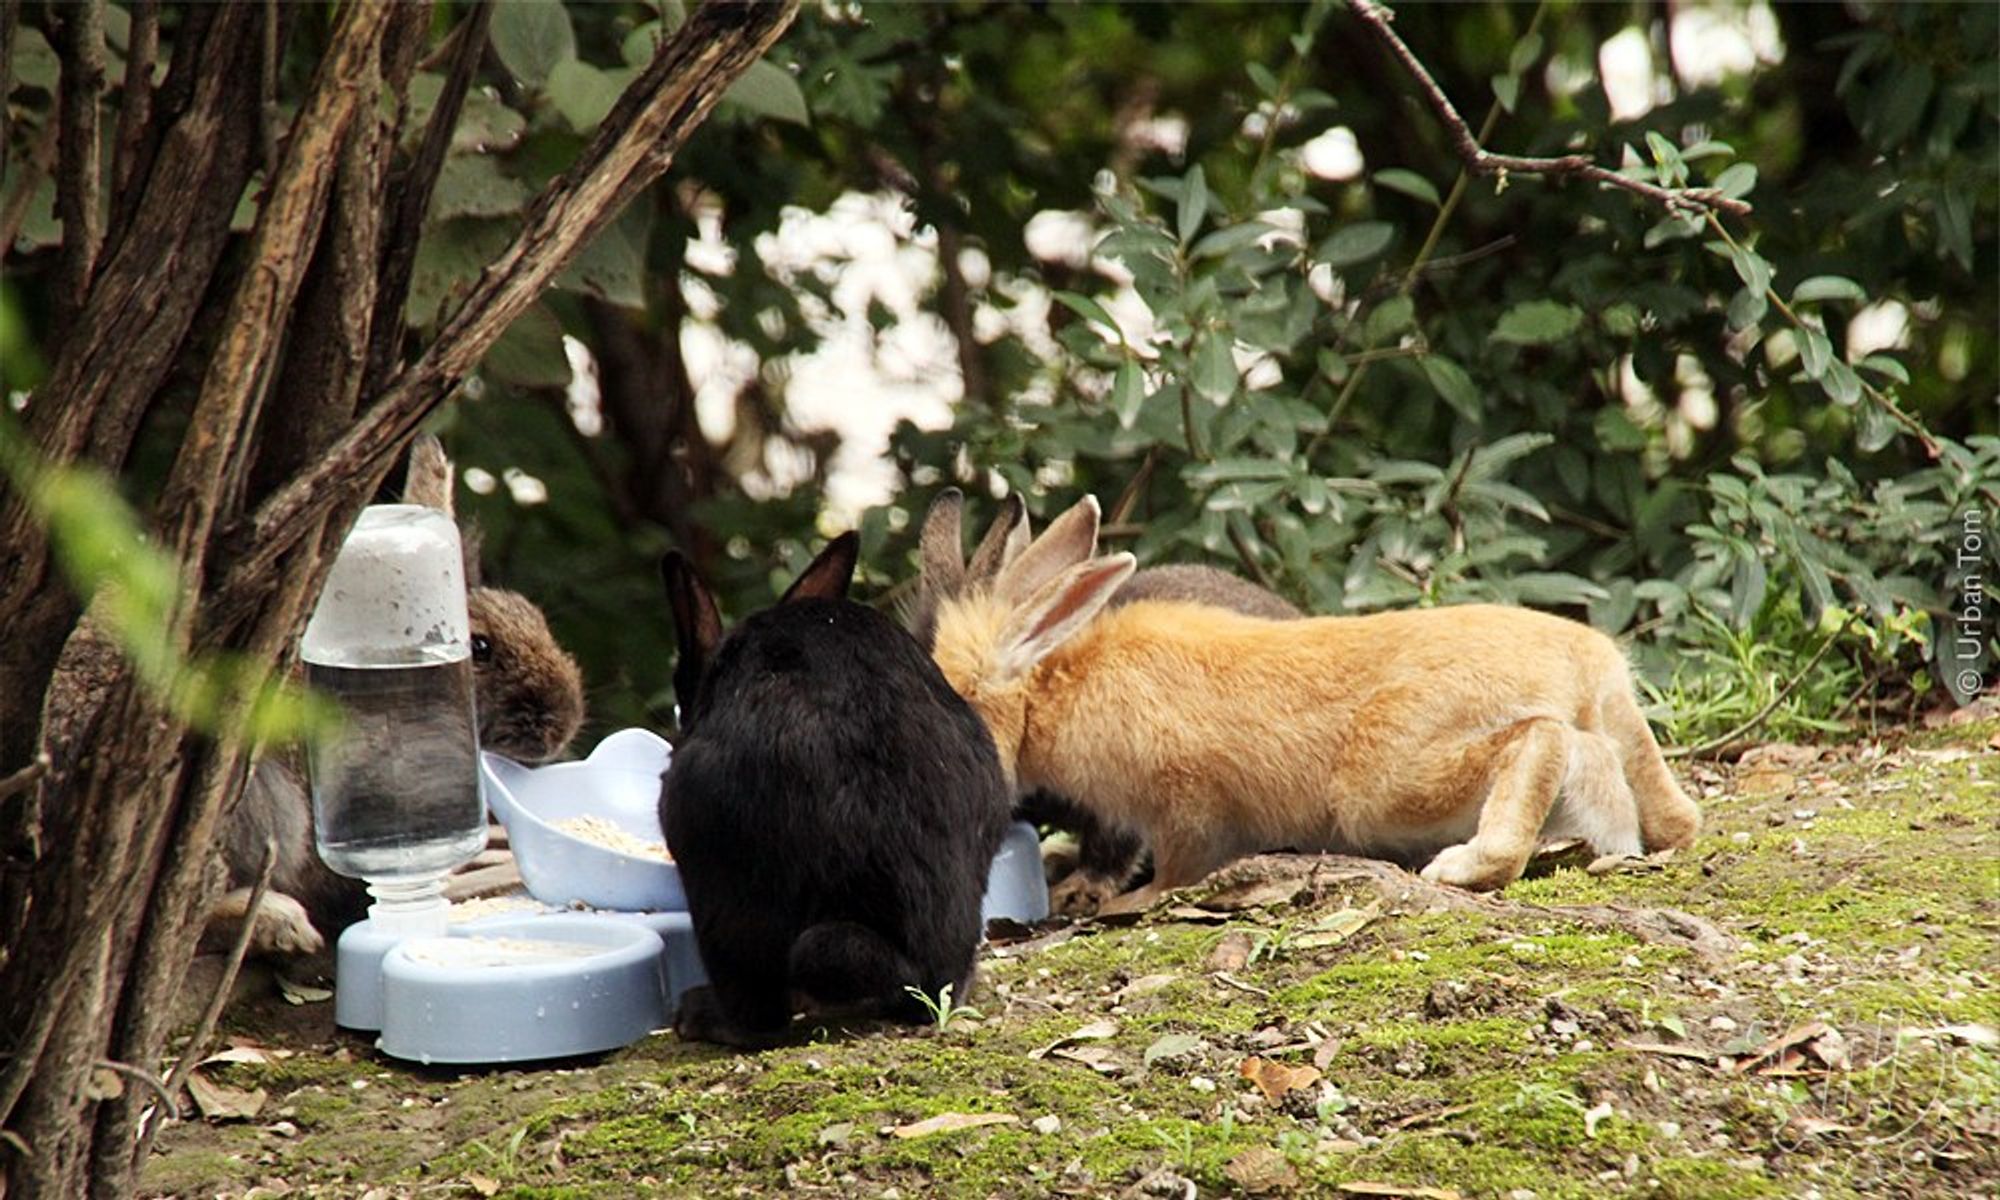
point(833, 805)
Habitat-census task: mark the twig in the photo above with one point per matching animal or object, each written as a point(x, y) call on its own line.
point(10, 24)
point(23, 779)
point(1448, 506)
point(135, 106)
point(1574, 166)
point(197, 1047)
point(1121, 511)
point(1239, 985)
point(1877, 396)
point(270, 118)
point(1791, 685)
point(14, 209)
point(77, 166)
point(143, 1076)
point(1249, 558)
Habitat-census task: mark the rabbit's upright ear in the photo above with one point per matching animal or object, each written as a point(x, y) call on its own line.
point(827, 577)
point(1005, 539)
point(697, 624)
point(428, 480)
point(1070, 539)
point(1055, 613)
point(942, 545)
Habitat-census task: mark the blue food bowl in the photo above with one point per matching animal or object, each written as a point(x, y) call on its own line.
point(1016, 887)
point(589, 832)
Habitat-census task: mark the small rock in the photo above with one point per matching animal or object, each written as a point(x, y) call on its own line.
point(1740, 838)
point(1202, 1083)
point(1722, 1024)
point(1046, 1125)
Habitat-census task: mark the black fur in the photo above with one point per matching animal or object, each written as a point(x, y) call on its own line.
point(834, 808)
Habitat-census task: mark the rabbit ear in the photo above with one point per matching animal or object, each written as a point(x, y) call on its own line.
point(942, 545)
point(428, 481)
point(1056, 612)
point(1004, 541)
point(697, 624)
point(1070, 539)
point(827, 577)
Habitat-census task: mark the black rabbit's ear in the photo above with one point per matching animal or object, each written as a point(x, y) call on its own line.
point(828, 575)
point(697, 624)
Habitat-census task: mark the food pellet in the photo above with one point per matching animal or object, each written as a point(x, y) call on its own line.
point(601, 832)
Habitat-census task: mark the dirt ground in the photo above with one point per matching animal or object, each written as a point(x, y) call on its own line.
point(1803, 1005)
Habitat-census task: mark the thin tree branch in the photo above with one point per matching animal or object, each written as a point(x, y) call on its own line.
point(412, 187)
point(1573, 166)
point(23, 779)
point(10, 24)
point(135, 106)
point(14, 209)
point(633, 145)
point(140, 1075)
point(77, 164)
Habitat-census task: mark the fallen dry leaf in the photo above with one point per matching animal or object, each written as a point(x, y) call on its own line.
point(1787, 1054)
point(951, 1122)
point(1101, 1059)
point(1261, 1169)
point(1197, 916)
point(1333, 930)
point(483, 1185)
point(1766, 781)
point(1096, 1031)
point(1232, 953)
point(1274, 1079)
point(1595, 1116)
point(1253, 893)
point(1692, 1053)
point(219, 1103)
point(1362, 1187)
point(238, 1053)
point(1434, 1115)
point(1324, 1052)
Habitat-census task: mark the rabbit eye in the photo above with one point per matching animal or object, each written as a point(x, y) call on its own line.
point(482, 648)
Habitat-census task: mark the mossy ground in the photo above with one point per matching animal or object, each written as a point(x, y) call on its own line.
point(1488, 1054)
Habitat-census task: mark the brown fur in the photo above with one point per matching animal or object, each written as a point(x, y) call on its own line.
point(1444, 733)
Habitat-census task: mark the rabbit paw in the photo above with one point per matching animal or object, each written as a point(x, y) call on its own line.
point(282, 927)
point(1465, 866)
point(1081, 894)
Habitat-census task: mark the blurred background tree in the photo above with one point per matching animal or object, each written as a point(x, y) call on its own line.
point(1215, 264)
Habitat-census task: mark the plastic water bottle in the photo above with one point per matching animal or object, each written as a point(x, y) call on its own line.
point(396, 792)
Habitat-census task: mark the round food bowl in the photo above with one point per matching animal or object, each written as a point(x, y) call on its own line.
point(565, 821)
point(523, 989)
point(1016, 888)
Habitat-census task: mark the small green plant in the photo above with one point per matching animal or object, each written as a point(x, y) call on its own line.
point(505, 1162)
point(687, 1121)
point(1179, 1142)
point(1332, 1103)
point(943, 1012)
point(1271, 945)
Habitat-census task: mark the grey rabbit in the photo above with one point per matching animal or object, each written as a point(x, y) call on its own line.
point(528, 695)
point(1106, 858)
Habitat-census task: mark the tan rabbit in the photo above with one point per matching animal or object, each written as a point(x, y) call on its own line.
point(528, 693)
point(1106, 857)
point(1460, 735)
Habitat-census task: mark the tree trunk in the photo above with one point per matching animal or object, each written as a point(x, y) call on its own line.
point(106, 853)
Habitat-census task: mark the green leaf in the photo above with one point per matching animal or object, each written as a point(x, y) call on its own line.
point(1396, 179)
point(1524, 54)
point(1828, 287)
point(1453, 385)
point(640, 45)
point(1815, 351)
point(530, 353)
point(1842, 384)
point(1090, 310)
point(1237, 470)
point(1507, 90)
point(1228, 240)
point(583, 94)
point(1737, 180)
point(472, 185)
point(1172, 1045)
point(1214, 368)
point(612, 266)
point(1356, 242)
point(1899, 103)
point(768, 90)
point(532, 37)
point(1750, 267)
point(1954, 225)
point(1537, 323)
point(1267, 83)
point(1128, 392)
point(1747, 307)
point(1390, 318)
point(1876, 430)
point(1883, 365)
point(1194, 204)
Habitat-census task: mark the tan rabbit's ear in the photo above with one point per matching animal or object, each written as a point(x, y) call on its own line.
point(1005, 539)
point(1069, 540)
point(1055, 613)
point(428, 481)
point(942, 545)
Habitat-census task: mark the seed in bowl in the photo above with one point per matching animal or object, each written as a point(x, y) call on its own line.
point(496, 952)
point(601, 832)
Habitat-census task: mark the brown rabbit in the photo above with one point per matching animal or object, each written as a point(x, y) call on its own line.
point(1459, 735)
point(528, 693)
point(1106, 856)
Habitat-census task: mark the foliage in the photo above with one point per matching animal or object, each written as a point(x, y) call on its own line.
point(1373, 390)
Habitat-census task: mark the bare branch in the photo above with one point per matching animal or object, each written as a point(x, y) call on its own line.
point(1572, 166)
point(23, 779)
point(77, 165)
point(135, 106)
point(10, 24)
point(632, 146)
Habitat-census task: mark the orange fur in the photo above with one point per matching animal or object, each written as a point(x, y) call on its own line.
point(1399, 734)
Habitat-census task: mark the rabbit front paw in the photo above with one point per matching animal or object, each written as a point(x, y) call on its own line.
point(282, 927)
point(1464, 865)
point(1081, 894)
